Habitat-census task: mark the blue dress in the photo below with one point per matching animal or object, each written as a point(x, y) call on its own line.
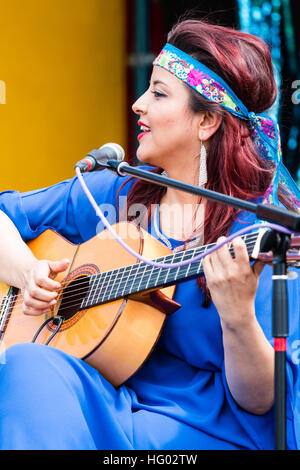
point(179, 399)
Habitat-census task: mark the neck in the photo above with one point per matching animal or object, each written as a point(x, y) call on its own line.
point(174, 196)
point(185, 171)
point(180, 217)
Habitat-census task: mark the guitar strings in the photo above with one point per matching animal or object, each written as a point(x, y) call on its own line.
point(70, 303)
point(84, 283)
point(105, 284)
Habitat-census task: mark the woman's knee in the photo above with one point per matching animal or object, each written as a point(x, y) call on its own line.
point(32, 363)
point(37, 372)
point(22, 355)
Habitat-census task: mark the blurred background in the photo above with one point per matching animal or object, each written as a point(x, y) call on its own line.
point(70, 71)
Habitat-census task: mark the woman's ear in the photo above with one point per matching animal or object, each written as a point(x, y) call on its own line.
point(209, 123)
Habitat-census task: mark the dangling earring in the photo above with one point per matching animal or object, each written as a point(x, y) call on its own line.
point(202, 167)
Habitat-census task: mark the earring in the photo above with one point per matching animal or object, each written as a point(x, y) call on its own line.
point(202, 167)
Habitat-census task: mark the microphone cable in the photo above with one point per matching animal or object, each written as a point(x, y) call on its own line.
point(182, 263)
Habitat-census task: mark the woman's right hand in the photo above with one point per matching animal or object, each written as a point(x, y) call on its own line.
point(39, 289)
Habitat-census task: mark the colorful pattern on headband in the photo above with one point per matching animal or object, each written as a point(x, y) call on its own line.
point(265, 132)
point(203, 80)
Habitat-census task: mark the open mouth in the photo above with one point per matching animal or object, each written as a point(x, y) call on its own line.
point(144, 130)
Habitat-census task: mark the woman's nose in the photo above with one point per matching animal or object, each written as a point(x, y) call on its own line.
point(140, 106)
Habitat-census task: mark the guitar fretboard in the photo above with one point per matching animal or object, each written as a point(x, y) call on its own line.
point(121, 282)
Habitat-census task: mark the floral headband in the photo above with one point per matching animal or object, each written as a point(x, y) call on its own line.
point(265, 135)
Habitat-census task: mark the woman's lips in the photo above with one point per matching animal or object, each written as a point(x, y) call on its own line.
point(142, 134)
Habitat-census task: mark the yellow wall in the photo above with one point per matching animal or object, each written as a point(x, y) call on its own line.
point(62, 69)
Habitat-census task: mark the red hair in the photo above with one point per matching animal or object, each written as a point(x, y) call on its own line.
point(233, 165)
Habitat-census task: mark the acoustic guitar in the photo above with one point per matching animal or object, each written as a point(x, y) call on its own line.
point(111, 307)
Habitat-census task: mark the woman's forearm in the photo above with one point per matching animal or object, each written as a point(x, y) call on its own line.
point(249, 366)
point(249, 357)
point(19, 268)
point(16, 259)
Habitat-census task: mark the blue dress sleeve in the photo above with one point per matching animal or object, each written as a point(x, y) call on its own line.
point(64, 207)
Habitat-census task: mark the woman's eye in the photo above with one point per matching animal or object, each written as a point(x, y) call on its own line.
point(157, 94)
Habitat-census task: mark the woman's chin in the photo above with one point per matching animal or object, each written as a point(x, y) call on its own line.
point(145, 157)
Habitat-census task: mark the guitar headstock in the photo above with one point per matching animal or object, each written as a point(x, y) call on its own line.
point(262, 250)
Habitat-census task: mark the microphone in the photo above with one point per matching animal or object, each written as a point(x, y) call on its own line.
point(99, 158)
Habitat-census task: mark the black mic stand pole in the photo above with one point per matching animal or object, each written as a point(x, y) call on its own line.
point(267, 213)
point(280, 332)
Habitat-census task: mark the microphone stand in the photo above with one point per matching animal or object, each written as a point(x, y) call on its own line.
point(281, 241)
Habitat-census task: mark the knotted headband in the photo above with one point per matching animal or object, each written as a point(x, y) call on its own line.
point(265, 131)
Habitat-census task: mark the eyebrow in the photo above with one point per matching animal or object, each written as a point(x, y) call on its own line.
point(158, 82)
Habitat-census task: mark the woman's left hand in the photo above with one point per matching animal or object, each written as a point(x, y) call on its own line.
point(232, 283)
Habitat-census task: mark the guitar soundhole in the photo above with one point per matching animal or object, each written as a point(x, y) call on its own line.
point(72, 297)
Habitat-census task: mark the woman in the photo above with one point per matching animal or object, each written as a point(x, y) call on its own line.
point(209, 382)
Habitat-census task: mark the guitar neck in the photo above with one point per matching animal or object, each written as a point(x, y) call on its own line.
point(139, 277)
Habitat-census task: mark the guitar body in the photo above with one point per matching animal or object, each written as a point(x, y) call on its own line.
point(116, 337)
